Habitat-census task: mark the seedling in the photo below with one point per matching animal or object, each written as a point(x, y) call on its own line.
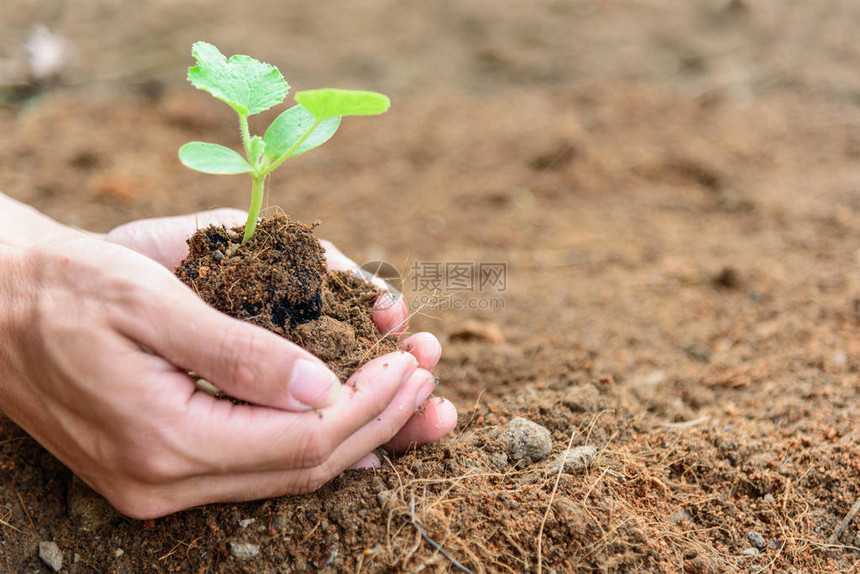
point(250, 87)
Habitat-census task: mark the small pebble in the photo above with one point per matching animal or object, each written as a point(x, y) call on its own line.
point(244, 550)
point(118, 552)
point(280, 522)
point(750, 551)
point(582, 398)
point(245, 523)
point(576, 459)
point(387, 499)
point(524, 439)
point(499, 460)
point(51, 555)
point(756, 539)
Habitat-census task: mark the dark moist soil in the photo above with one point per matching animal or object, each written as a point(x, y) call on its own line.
point(279, 281)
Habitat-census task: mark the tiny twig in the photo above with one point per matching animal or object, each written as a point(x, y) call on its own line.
point(474, 416)
point(845, 522)
point(173, 550)
point(435, 545)
point(686, 424)
point(309, 534)
point(391, 332)
point(27, 512)
point(4, 523)
point(549, 505)
point(8, 514)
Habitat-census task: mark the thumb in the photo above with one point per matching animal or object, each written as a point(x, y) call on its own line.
point(245, 361)
point(163, 239)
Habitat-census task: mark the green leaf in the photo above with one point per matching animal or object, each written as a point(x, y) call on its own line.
point(257, 146)
point(291, 126)
point(331, 103)
point(245, 84)
point(213, 158)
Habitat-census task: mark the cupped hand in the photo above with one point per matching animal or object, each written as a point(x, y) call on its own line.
point(97, 347)
point(164, 240)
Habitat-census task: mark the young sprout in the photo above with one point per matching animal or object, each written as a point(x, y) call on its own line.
point(250, 87)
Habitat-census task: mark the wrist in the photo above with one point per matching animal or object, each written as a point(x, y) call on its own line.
point(22, 225)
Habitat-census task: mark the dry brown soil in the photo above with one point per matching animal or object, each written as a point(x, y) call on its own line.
point(674, 188)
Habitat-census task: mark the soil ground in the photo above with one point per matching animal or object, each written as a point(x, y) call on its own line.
point(674, 188)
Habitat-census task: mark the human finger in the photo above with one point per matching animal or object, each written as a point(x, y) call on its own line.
point(242, 359)
point(335, 258)
point(436, 418)
point(228, 438)
point(163, 239)
point(425, 347)
point(370, 460)
point(387, 426)
point(256, 477)
point(389, 311)
point(390, 314)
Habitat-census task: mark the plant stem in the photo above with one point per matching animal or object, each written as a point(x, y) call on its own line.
point(246, 138)
point(256, 204)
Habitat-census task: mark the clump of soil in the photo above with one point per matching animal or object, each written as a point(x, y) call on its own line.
point(279, 281)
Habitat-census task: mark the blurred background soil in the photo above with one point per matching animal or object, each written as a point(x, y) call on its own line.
point(673, 187)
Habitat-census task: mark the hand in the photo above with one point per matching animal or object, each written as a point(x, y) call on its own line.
point(164, 240)
point(95, 343)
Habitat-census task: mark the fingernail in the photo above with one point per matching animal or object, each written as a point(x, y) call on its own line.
point(425, 392)
point(367, 461)
point(401, 360)
point(313, 384)
point(437, 346)
point(446, 415)
point(393, 315)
